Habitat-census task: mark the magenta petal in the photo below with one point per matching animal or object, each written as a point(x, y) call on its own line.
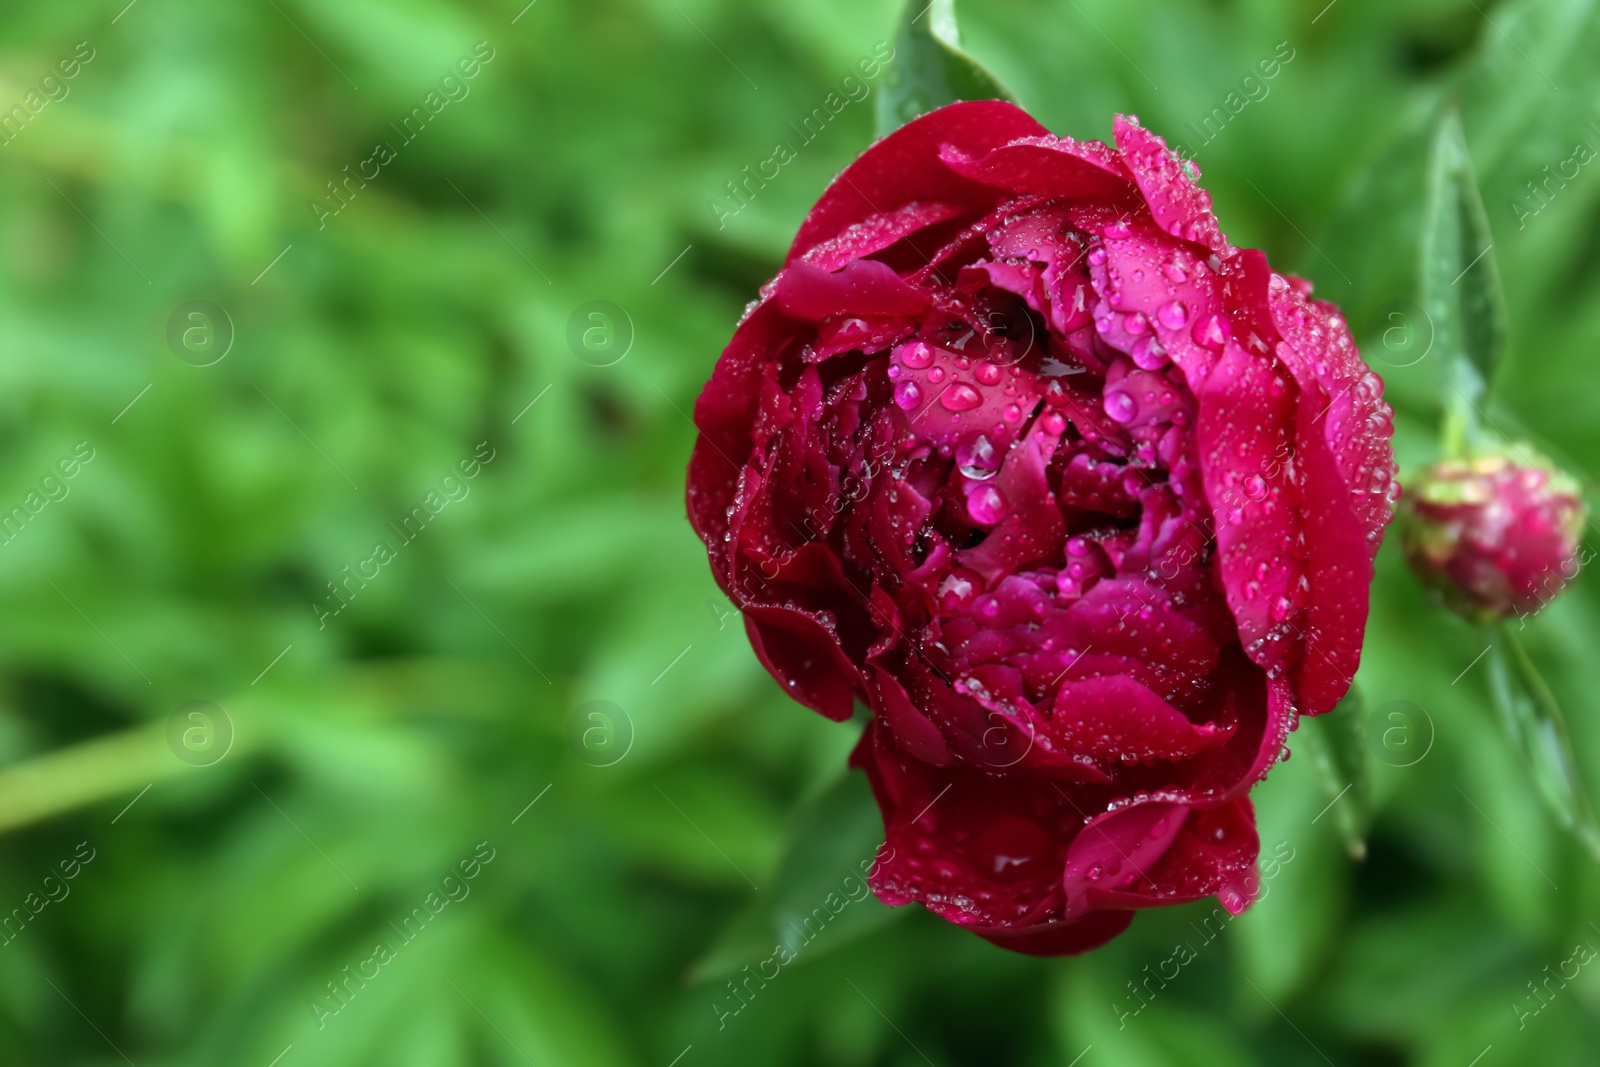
point(1032, 527)
point(1178, 204)
point(1117, 849)
point(1246, 433)
point(876, 233)
point(955, 840)
point(863, 287)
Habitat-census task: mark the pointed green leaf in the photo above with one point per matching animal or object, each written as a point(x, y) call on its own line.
point(1337, 744)
point(929, 69)
point(1531, 716)
point(1460, 281)
point(819, 890)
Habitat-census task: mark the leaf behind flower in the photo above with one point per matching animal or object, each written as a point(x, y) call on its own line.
point(929, 69)
point(1533, 719)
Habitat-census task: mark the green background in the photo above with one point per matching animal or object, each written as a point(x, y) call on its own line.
point(387, 743)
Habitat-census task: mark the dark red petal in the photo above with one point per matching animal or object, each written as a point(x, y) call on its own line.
point(1060, 938)
point(1046, 165)
point(979, 850)
point(1343, 430)
point(1116, 849)
point(805, 658)
point(1214, 853)
point(1116, 719)
point(904, 168)
point(912, 730)
point(863, 287)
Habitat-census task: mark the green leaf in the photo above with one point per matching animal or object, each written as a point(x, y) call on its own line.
point(1337, 744)
point(1533, 719)
point(819, 890)
point(929, 69)
point(1460, 281)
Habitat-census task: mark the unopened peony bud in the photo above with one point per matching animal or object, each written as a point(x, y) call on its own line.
point(1495, 538)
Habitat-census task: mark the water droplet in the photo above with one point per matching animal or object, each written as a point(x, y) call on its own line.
point(986, 505)
point(1053, 424)
point(1011, 848)
point(916, 355)
point(907, 395)
point(1135, 323)
point(1174, 272)
point(1210, 331)
point(1173, 315)
point(977, 459)
point(959, 397)
point(1148, 354)
point(936, 375)
point(987, 374)
point(1121, 406)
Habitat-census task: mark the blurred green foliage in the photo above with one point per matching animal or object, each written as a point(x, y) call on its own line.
point(373, 352)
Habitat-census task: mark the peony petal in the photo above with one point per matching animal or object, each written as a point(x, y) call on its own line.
point(1049, 166)
point(904, 169)
point(1116, 719)
point(862, 287)
point(1177, 203)
point(805, 658)
point(1116, 849)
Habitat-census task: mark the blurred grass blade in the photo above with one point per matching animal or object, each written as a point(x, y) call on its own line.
point(1337, 744)
point(1460, 280)
point(820, 889)
point(1532, 717)
point(929, 69)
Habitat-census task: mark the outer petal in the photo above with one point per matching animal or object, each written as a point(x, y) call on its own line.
point(1342, 435)
point(904, 168)
point(1051, 166)
point(976, 849)
point(1177, 202)
point(1214, 852)
point(805, 658)
point(1246, 428)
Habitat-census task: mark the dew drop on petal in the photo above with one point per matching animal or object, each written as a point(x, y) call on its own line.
point(1010, 848)
point(1148, 354)
point(986, 505)
point(1173, 315)
point(1121, 406)
point(959, 397)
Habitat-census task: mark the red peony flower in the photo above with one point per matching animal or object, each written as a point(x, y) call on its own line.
point(1495, 538)
point(1077, 497)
